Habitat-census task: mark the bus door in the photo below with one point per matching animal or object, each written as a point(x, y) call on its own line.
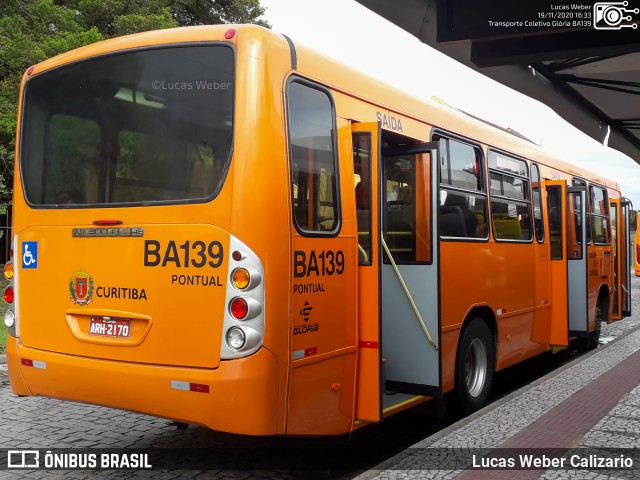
point(324, 270)
point(556, 191)
point(620, 211)
point(409, 276)
point(366, 155)
point(577, 272)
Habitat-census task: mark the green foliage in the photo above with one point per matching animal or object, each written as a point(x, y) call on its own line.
point(3, 338)
point(33, 30)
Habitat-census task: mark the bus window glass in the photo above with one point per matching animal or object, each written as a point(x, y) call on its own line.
point(463, 203)
point(146, 126)
point(313, 169)
point(154, 155)
point(614, 244)
point(406, 213)
point(462, 169)
point(574, 226)
point(599, 216)
point(511, 209)
point(511, 220)
point(554, 206)
point(69, 182)
point(362, 182)
point(538, 220)
point(576, 182)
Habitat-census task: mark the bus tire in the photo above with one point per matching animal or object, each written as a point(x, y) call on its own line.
point(474, 366)
point(594, 337)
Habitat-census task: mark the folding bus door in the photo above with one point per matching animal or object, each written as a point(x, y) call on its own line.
point(577, 272)
point(366, 154)
point(620, 223)
point(409, 271)
point(557, 224)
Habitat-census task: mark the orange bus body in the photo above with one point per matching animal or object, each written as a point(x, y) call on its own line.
point(315, 304)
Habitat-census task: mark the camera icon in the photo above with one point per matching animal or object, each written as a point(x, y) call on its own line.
point(610, 15)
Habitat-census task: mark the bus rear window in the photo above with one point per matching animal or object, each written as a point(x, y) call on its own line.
point(139, 127)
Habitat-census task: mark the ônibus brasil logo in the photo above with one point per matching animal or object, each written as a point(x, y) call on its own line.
point(81, 288)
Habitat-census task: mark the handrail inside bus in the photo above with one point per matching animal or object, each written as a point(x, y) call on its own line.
point(408, 293)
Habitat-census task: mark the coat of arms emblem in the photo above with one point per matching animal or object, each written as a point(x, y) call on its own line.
point(81, 288)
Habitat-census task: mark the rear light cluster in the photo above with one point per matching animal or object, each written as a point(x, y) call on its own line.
point(10, 318)
point(243, 328)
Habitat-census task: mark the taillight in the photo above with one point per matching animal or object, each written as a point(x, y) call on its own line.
point(236, 338)
point(241, 278)
point(9, 318)
point(245, 278)
point(244, 322)
point(8, 270)
point(8, 294)
point(239, 308)
point(10, 273)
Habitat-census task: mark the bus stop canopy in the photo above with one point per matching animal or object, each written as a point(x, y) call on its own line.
point(549, 51)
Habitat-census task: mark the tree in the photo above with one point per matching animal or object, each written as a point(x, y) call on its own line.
point(33, 30)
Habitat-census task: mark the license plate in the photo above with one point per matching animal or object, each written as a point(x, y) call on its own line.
point(110, 327)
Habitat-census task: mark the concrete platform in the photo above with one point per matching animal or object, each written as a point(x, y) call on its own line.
point(580, 421)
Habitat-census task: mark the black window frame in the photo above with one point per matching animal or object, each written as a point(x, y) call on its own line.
point(152, 203)
point(541, 238)
point(592, 224)
point(562, 215)
point(445, 137)
point(526, 191)
point(338, 203)
point(385, 154)
point(368, 135)
point(581, 182)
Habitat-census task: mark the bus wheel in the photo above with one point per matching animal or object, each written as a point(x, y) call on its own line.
point(474, 366)
point(594, 337)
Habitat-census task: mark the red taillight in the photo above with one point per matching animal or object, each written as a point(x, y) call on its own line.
point(236, 255)
point(229, 34)
point(30, 71)
point(239, 308)
point(107, 222)
point(8, 294)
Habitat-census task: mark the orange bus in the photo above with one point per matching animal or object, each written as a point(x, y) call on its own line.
point(218, 226)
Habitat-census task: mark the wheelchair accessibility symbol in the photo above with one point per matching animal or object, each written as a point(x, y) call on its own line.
point(29, 254)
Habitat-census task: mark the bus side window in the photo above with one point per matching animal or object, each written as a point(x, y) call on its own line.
point(313, 159)
point(406, 217)
point(538, 215)
point(511, 209)
point(362, 180)
point(463, 197)
point(599, 216)
point(554, 206)
point(576, 212)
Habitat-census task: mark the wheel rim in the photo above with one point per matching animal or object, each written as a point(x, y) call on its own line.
point(476, 367)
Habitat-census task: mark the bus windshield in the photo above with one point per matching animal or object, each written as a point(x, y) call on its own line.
point(145, 126)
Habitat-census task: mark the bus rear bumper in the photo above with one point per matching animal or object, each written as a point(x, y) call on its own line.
point(240, 396)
